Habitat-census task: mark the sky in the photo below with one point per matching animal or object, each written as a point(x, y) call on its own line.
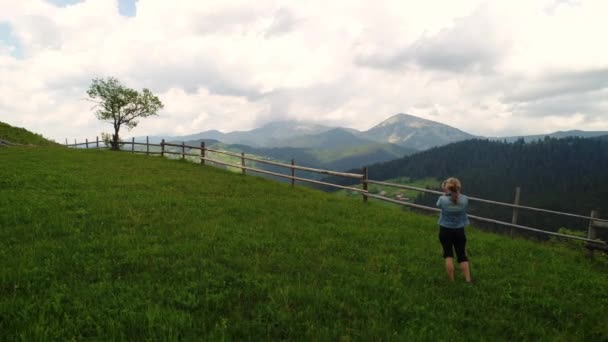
point(491, 68)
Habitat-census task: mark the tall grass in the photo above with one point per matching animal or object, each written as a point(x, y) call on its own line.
point(109, 245)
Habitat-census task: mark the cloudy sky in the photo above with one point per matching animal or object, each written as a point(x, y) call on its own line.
point(491, 68)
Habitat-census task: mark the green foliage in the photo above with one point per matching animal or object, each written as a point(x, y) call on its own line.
point(106, 138)
point(120, 105)
point(147, 248)
point(22, 136)
point(573, 243)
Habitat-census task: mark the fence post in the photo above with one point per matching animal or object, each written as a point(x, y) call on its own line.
point(243, 163)
point(515, 210)
point(133, 145)
point(202, 153)
point(97, 142)
point(591, 233)
point(364, 183)
point(75, 143)
point(147, 146)
point(293, 172)
point(183, 150)
point(162, 148)
point(86, 141)
point(66, 142)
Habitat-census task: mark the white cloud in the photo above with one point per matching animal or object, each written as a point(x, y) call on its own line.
point(486, 67)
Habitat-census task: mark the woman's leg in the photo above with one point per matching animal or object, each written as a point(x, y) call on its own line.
point(466, 272)
point(449, 267)
point(460, 243)
point(448, 252)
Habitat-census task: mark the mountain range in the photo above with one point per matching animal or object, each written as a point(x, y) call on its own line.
point(336, 148)
point(402, 129)
point(342, 148)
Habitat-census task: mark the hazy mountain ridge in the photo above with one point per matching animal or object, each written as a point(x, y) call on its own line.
point(336, 158)
point(270, 134)
point(333, 138)
point(402, 129)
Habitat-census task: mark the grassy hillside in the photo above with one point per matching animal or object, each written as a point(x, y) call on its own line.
point(100, 245)
point(22, 136)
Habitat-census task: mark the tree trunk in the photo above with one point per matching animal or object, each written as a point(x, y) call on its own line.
point(115, 146)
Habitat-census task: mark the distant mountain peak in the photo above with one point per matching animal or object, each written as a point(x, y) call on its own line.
point(407, 120)
point(414, 132)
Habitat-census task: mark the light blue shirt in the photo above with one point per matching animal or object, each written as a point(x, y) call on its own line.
point(453, 215)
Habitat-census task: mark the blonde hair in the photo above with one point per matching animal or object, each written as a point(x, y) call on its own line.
point(453, 185)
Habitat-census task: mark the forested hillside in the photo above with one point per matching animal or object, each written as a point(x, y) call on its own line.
point(560, 174)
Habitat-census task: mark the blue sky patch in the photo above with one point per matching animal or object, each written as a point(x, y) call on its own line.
point(125, 7)
point(10, 41)
point(64, 3)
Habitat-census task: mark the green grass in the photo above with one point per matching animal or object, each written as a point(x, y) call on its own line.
point(106, 245)
point(392, 192)
point(22, 136)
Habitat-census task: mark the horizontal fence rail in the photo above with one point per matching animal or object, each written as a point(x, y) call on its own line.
point(485, 219)
point(401, 186)
point(282, 175)
point(595, 221)
point(297, 167)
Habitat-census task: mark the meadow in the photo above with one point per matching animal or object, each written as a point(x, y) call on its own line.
point(114, 246)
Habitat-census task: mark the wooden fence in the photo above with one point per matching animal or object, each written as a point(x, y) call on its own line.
point(594, 221)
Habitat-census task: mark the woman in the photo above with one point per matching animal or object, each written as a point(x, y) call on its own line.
point(452, 221)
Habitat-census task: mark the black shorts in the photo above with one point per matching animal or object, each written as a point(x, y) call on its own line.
point(453, 239)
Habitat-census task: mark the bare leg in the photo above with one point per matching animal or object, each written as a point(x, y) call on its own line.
point(466, 271)
point(449, 267)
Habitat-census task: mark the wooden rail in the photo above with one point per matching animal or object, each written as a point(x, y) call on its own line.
point(485, 219)
point(595, 221)
point(280, 174)
point(516, 206)
point(264, 161)
point(296, 167)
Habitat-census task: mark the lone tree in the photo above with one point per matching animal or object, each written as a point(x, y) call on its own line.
point(120, 105)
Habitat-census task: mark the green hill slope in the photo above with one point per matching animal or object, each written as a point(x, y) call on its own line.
point(100, 245)
point(22, 136)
